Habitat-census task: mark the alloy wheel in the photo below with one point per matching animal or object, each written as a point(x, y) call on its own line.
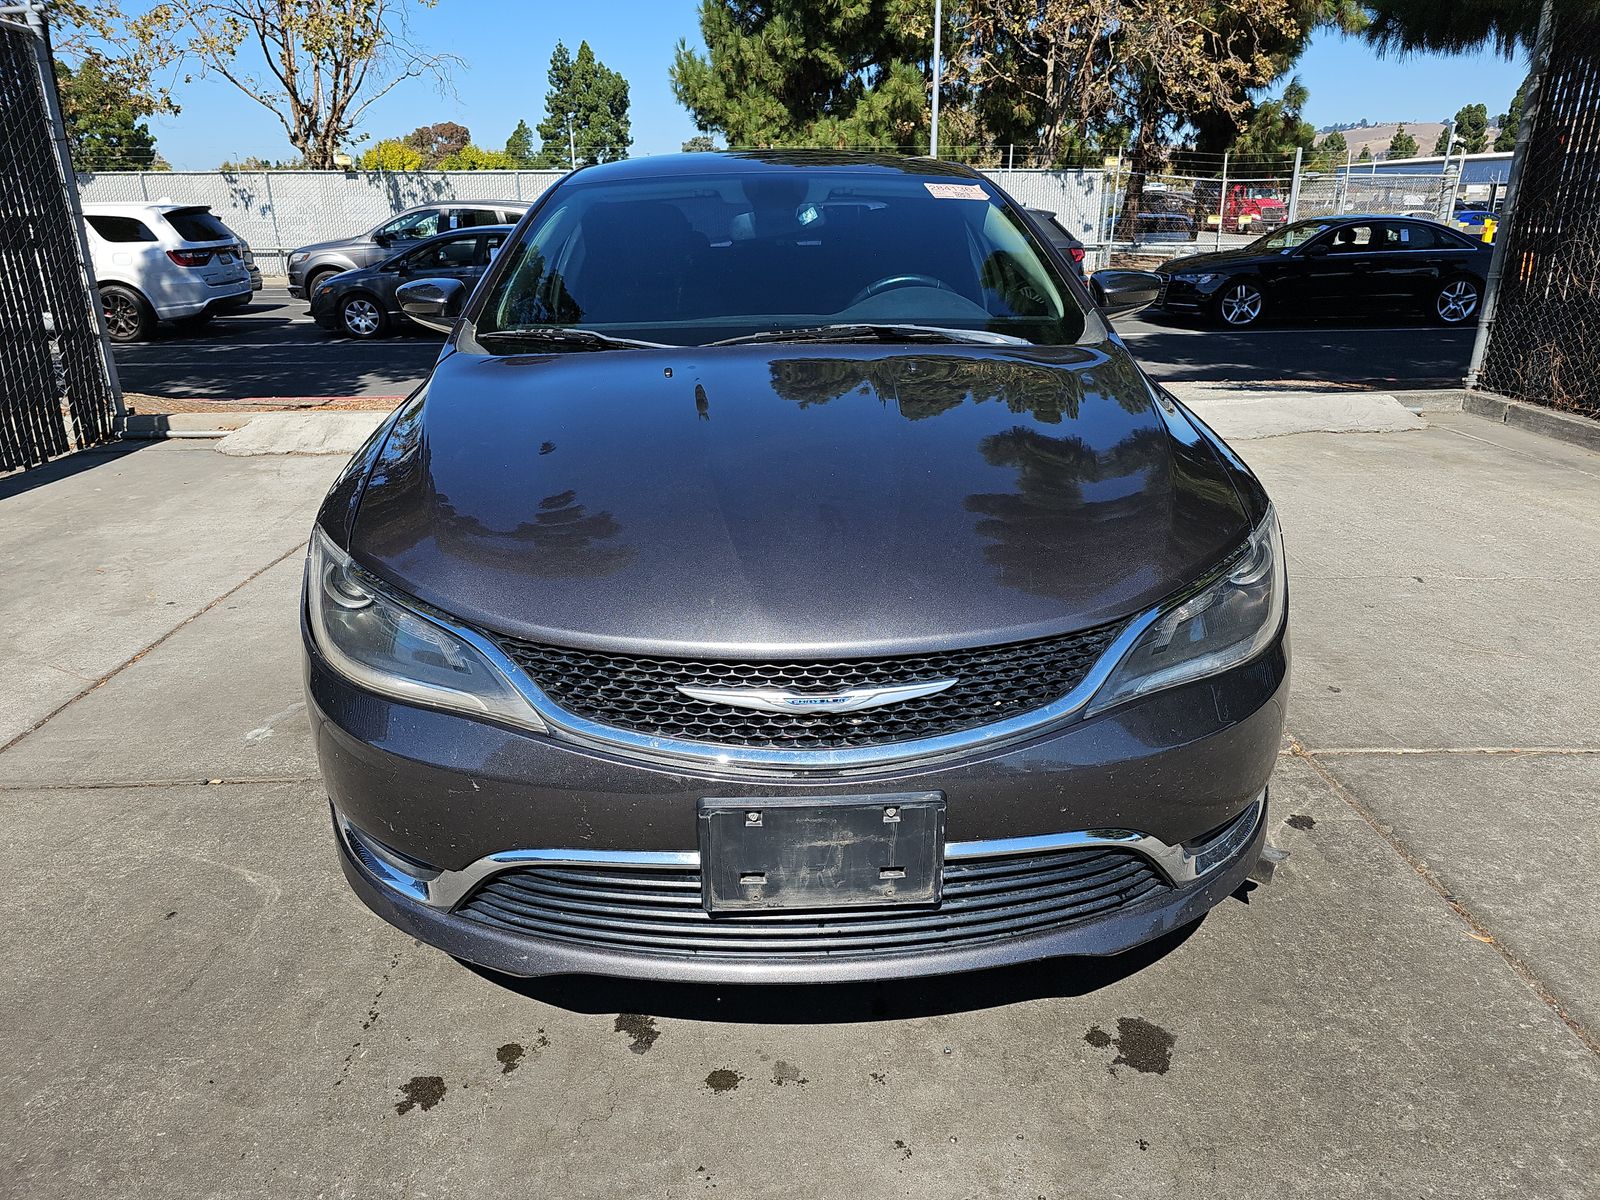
point(1457, 301)
point(122, 315)
point(1240, 304)
point(361, 316)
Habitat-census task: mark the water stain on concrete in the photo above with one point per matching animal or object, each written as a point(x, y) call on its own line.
point(1301, 821)
point(640, 1030)
point(1141, 1044)
point(783, 1073)
point(723, 1080)
point(509, 1057)
point(421, 1091)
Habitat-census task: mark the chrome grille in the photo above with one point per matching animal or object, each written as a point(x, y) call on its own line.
point(659, 912)
point(640, 693)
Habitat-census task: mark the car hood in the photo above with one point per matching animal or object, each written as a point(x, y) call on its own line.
point(345, 243)
point(783, 500)
point(1215, 261)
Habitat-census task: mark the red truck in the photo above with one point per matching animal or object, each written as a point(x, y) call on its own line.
point(1250, 208)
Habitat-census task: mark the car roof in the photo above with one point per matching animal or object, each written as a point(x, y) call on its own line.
point(465, 204)
point(111, 208)
point(742, 162)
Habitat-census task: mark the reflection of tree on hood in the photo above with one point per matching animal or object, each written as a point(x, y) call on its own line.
point(925, 385)
point(563, 541)
point(1032, 530)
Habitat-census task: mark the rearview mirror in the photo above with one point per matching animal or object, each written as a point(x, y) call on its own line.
point(432, 303)
point(1119, 293)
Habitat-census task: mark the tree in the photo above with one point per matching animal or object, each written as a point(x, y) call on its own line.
point(1452, 27)
point(316, 65)
point(594, 99)
point(391, 154)
point(435, 143)
point(1332, 151)
point(1275, 128)
point(102, 119)
point(1508, 122)
point(519, 146)
point(1402, 144)
point(794, 72)
point(1472, 127)
point(1443, 143)
point(1365, 156)
point(700, 143)
point(476, 158)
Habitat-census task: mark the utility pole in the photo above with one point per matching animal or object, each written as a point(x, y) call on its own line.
point(938, 23)
point(1222, 200)
point(572, 144)
point(1294, 187)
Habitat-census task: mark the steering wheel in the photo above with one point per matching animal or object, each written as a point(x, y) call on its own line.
point(890, 282)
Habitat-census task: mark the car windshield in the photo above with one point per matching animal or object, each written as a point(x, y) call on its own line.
point(1291, 236)
point(779, 250)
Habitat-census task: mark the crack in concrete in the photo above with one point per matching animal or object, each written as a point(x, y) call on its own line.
point(1380, 751)
point(126, 663)
point(1476, 928)
point(192, 781)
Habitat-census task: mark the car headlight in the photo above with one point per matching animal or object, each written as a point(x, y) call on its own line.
point(298, 257)
point(1205, 282)
point(1228, 622)
point(374, 639)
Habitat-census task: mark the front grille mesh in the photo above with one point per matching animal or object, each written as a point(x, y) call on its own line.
point(640, 693)
point(659, 912)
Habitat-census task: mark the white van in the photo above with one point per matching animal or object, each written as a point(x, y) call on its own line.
point(164, 262)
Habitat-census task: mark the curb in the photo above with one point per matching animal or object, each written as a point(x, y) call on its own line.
point(1551, 423)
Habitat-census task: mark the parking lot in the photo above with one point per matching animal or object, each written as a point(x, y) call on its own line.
point(274, 349)
point(199, 1007)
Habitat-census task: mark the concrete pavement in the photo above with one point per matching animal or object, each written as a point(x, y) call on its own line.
point(197, 1006)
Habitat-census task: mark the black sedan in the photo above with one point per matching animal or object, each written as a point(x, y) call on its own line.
point(362, 303)
point(1335, 266)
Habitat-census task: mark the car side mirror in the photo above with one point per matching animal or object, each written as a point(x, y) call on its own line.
point(432, 303)
point(1317, 250)
point(1119, 293)
point(382, 239)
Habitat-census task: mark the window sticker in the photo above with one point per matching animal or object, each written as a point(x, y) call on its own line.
point(956, 191)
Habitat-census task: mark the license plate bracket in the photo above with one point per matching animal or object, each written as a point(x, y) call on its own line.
point(765, 853)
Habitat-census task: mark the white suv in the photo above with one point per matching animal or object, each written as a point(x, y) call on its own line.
point(163, 262)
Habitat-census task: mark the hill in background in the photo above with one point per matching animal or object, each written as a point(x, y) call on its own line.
point(1376, 138)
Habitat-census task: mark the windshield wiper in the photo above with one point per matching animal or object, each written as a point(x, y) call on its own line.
point(857, 332)
point(568, 335)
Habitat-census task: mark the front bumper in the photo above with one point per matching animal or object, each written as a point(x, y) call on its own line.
point(453, 793)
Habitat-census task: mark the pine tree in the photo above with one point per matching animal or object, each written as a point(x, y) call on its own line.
point(102, 120)
point(1402, 144)
point(1332, 151)
point(594, 98)
point(1472, 128)
point(1506, 139)
point(519, 146)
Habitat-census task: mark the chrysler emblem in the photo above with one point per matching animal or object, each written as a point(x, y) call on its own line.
point(850, 700)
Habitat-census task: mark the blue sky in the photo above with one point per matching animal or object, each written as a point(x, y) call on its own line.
point(507, 44)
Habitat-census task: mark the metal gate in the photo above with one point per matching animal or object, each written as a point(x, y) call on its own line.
point(58, 388)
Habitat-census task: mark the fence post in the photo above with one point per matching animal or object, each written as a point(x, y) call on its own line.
point(277, 233)
point(1503, 231)
point(1111, 205)
point(1294, 187)
point(1222, 201)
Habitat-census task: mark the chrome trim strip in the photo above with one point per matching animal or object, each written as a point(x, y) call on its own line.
point(445, 889)
point(782, 700)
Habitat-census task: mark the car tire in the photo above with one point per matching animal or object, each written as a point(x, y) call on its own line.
point(129, 317)
point(1456, 302)
point(361, 316)
point(1240, 304)
point(317, 278)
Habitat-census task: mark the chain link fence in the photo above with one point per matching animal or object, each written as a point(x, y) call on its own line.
point(1335, 193)
point(58, 389)
point(1542, 340)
